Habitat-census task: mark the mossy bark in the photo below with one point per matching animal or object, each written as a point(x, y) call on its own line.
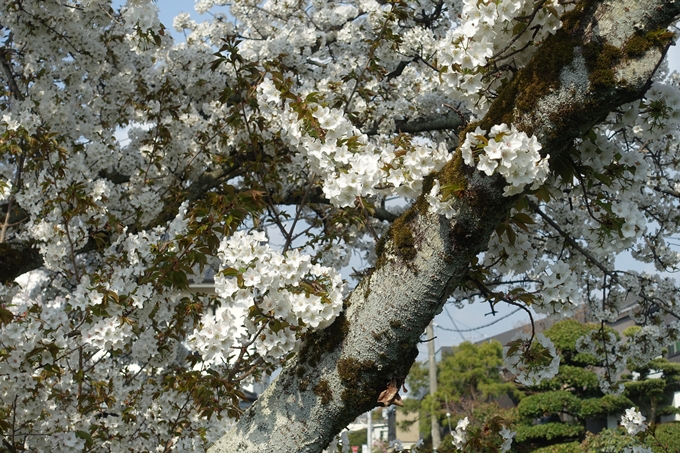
point(425, 255)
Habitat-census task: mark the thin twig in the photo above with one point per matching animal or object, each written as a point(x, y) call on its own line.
point(530, 19)
point(298, 211)
point(568, 238)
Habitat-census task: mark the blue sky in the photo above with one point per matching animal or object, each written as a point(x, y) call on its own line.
point(169, 9)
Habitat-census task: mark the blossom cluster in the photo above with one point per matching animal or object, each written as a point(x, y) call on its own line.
point(517, 257)
point(349, 164)
point(560, 292)
point(484, 34)
point(266, 299)
point(142, 14)
point(644, 345)
point(633, 421)
point(507, 436)
point(126, 158)
point(608, 351)
point(438, 203)
point(508, 152)
point(638, 449)
point(292, 295)
point(460, 436)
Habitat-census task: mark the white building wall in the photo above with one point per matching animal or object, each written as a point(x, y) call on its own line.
point(612, 421)
point(674, 403)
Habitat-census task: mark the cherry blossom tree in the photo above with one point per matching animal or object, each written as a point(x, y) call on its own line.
point(492, 151)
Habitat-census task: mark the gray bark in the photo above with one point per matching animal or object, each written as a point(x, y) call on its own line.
point(443, 121)
point(340, 372)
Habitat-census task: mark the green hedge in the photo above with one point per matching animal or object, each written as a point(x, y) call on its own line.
point(669, 436)
point(571, 447)
point(607, 441)
point(555, 402)
point(548, 431)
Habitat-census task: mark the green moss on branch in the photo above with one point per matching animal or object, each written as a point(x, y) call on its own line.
point(355, 393)
point(323, 391)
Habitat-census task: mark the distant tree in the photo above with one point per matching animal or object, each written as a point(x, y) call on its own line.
point(663, 438)
point(651, 386)
point(417, 384)
point(666, 438)
point(417, 380)
point(357, 437)
point(556, 411)
point(471, 376)
point(468, 378)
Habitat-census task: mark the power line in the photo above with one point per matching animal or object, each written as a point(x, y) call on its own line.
point(454, 322)
point(480, 327)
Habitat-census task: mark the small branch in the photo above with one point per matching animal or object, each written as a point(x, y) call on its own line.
point(169, 443)
point(427, 19)
point(528, 21)
point(399, 69)
point(568, 238)
point(298, 212)
point(5, 224)
point(488, 294)
point(522, 306)
point(371, 54)
point(367, 218)
point(7, 70)
point(17, 183)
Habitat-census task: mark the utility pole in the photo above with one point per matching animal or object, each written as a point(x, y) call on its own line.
point(369, 431)
point(391, 423)
point(436, 437)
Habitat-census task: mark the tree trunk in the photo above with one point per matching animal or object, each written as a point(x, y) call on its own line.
point(568, 87)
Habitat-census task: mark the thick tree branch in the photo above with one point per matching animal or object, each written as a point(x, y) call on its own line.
point(316, 196)
point(437, 122)
point(16, 258)
point(341, 371)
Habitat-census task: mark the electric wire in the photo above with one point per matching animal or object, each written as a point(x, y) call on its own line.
point(454, 323)
point(479, 327)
